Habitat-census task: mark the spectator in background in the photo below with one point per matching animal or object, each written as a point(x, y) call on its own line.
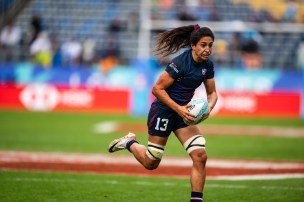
point(235, 46)
point(290, 11)
point(110, 53)
point(244, 46)
point(111, 46)
point(57, 56)
point(88, 52)
point(107, 63)
point(251, 56)
point(71, 52)
point(116, 26)
point(236, 41)
point(221, 51)
point(133, 22)
point(41, 50)
point(36, 27)
point(9, 41)
point(184, 15)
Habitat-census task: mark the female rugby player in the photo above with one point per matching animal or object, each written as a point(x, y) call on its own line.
point(173, 90)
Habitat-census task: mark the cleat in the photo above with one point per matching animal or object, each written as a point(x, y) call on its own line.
point(121, 143)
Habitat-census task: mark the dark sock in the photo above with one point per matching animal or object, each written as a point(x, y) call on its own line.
point(196, 197)
point(130, 143)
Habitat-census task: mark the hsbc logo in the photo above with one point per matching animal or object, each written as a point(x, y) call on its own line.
point(39, 97)
point(43, 97)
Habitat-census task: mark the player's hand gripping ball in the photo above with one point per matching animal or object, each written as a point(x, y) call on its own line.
point(200, 108)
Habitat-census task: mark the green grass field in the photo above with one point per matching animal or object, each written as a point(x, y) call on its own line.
point(35, 186)
point(73, 132)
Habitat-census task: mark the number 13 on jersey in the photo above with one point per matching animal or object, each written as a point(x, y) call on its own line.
point(161, 124)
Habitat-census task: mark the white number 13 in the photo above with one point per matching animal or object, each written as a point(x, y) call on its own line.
point(164, 122)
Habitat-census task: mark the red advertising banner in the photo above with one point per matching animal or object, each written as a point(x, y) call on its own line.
point(42, 97)
point(274, 104)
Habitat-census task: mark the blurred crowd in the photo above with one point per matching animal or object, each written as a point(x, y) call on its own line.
point(49, 51)
point(46, 49)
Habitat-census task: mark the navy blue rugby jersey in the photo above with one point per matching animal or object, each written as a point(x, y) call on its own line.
point(188, 75)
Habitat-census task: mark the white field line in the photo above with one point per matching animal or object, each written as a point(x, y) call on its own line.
point(253, 130)
point(259, 177)
point(41, 157)
point(213, 129)
point(146, 183)
point(250, 187)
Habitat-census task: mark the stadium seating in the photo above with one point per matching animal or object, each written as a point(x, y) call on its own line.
point(89, 18)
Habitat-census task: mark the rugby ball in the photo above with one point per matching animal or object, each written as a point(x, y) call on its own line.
point(199, 108)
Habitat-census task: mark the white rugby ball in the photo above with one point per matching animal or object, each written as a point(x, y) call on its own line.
point(199, 108)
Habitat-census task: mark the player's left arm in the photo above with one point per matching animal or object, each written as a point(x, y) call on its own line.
point(211, 92)
point(159, 91)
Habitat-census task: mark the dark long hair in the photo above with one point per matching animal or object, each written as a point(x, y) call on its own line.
point(171, 41)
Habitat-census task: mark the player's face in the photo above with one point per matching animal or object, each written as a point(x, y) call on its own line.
point(202, 50)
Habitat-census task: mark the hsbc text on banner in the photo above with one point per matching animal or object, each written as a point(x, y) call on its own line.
point(44, 97)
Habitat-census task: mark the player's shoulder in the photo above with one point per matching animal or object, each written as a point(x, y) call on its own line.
point(181, 59)
point(183, 56)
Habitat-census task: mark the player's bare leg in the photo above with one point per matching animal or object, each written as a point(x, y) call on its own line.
point(149, 157)
point(140, 152)
point(194, 143)
point(198, 172)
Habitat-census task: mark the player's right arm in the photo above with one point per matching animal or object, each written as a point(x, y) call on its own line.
point(159, 91)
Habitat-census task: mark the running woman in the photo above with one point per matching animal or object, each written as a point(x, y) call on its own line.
point(173, 90)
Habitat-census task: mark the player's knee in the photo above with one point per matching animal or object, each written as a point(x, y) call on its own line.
point(154, 153)
point(199, 156)
point(195, 146)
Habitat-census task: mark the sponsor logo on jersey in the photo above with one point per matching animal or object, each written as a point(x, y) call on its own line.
point(174, 67)
point(204, 71)
point(179, 79)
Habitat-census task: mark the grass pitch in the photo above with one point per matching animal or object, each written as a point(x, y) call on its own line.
point(73, 132)
point(34, 186)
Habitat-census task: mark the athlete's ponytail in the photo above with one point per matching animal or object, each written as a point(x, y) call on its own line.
point(171, 41)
